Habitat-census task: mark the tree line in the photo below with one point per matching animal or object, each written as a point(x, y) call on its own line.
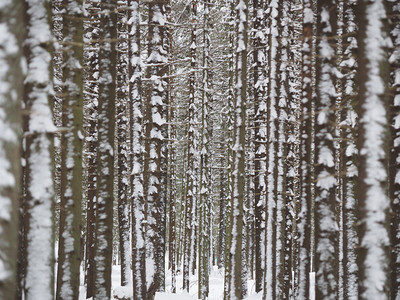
point(172, 136)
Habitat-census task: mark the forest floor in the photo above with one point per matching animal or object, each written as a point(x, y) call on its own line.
point(216, 287)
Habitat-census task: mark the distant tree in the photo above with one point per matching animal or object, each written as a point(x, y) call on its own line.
point(11, 81)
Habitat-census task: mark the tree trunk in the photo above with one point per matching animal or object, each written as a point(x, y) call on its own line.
point(305, 201)
point(39, 208)
point(11, 80)
point(373, 133)
point(137, 131)
point(238, 160)
point(154, 124)
point(71, 154)
point(105, 151)
point(122, 147)
point(326, 223)
point(260, 162)
point(91, 115)
point(349, 162)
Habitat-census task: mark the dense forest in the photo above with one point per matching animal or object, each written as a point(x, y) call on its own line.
point(169, 139)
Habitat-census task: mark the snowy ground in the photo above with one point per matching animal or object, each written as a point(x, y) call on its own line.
point(216, 287)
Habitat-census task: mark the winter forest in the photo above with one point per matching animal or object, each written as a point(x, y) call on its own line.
point(198, 149)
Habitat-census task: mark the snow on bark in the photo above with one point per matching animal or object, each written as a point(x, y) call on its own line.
point(374, 203)
point(239, 143)
point(350, 237)
point(326, 222)
point(260, 159)
point(304, 210)
point(105, 151)
point(39, 276)
point(122, 147)
point(11, 84)
point(283, 257)
point(191, 174)
point(71, 154)
point(205, 197)
point(137, 150)
point(270, 275)
point(157, 59)
point(91, 85)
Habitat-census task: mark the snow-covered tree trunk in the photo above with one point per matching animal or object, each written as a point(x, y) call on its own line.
point(229, 124)
point(295, 25)
point(305, 201)
point(372, 185)
point(394, 163)
point(271, 225)
point(205, 191)
point(190, 208)
point(105, 151)
point(349, 159)
point(11, 83)
point(137, 139)
point(122, 147)
point(39, 206)
point(91, 27)
point(71, 153)
point(239, 144)
point(260, 159)
point(157, 59)
point(172, 169)
point(284, 229)
point(326, 223)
